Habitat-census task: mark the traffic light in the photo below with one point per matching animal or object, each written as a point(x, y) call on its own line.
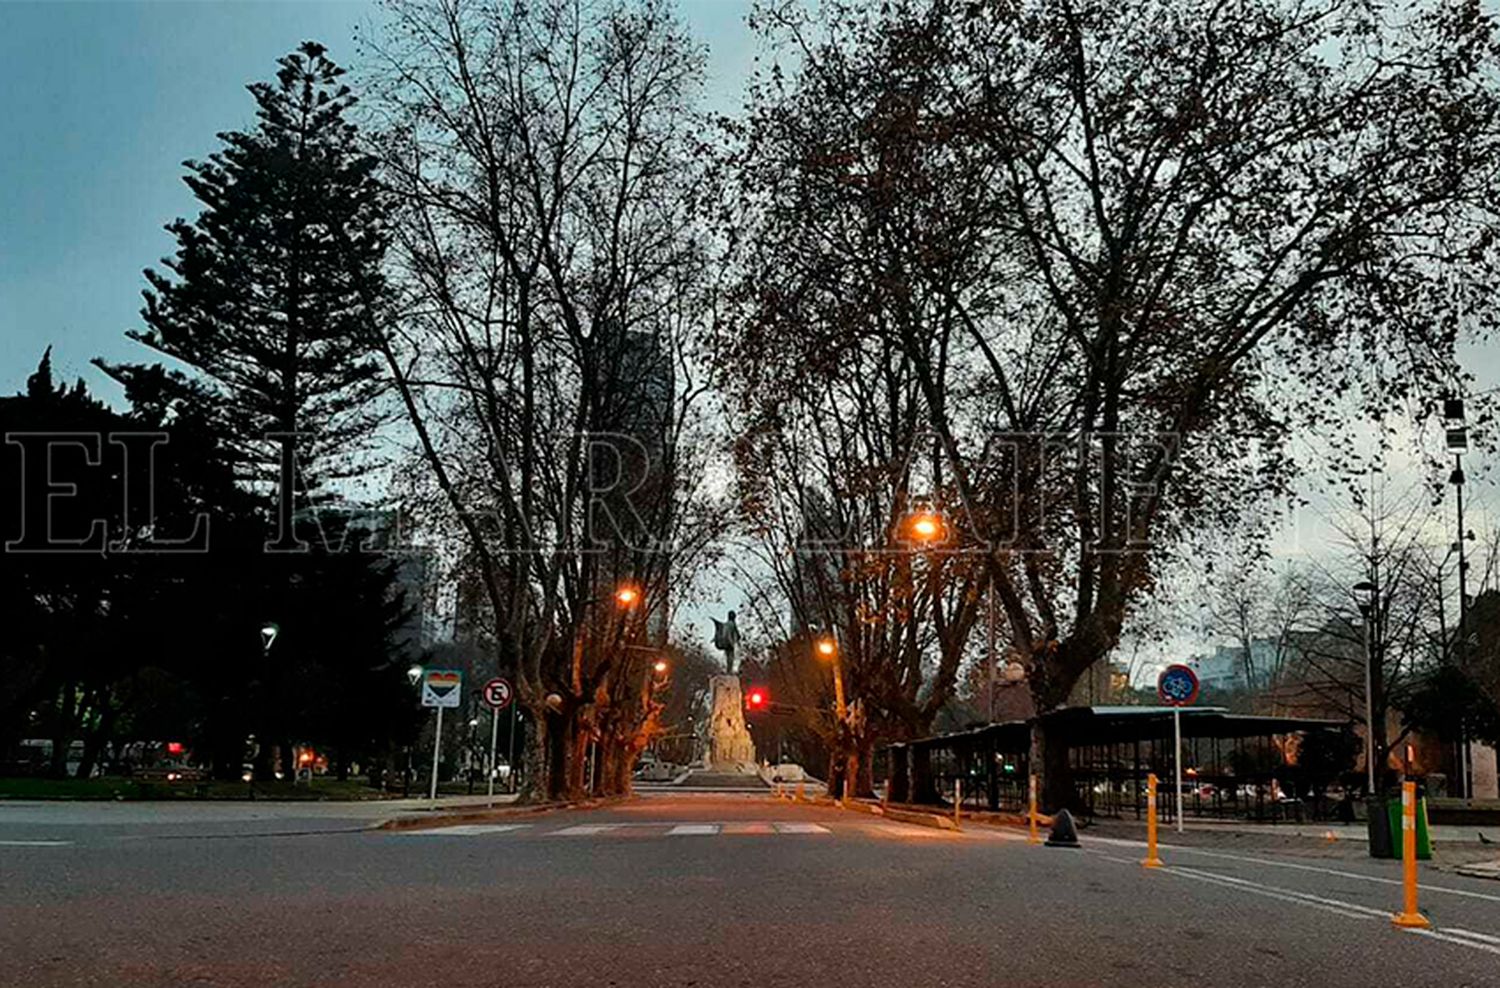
point(757, 699)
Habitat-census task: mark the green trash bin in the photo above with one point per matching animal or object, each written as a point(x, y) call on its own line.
point(1424, 841)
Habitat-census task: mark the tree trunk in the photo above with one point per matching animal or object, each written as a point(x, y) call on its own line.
point(565, 751)
point(534, 756)
point(1049, 758)
point(862, 767)
point(898, 785)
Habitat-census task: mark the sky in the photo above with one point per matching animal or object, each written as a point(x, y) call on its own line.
point(105, 100)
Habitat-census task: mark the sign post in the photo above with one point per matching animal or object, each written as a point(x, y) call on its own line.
point(497, 696)
point(443, 689)
point(1177, 686)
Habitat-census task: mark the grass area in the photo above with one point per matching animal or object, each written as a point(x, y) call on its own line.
point(122, 788)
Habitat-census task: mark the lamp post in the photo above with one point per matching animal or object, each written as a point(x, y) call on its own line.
point(1456, 439)
point(828, 649)
point(1364, 596)
point(413, 676)
point(927, 526)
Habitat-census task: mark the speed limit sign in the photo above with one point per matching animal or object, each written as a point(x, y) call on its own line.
point(496, 694)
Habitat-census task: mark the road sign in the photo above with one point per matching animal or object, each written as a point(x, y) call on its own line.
point(496, 694)
point(442, 687)
point(1177, 686)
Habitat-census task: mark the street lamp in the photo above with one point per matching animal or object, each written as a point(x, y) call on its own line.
point(413, 674)
point(1364, 596)
point(827, 648)
point(925, 526)
point(660, 666)
point(268, 633)
point(627, 595)
point(1456, 439)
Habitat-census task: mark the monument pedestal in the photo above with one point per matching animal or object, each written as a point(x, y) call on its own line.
point(730, 748)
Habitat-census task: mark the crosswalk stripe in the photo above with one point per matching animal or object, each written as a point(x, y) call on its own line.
point(748, 828)
point(469, 830)
point(897, 830)
point(35, 843)
point(693, 830)
point(801, 828)
point(585, 830)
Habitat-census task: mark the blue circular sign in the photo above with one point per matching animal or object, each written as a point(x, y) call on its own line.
point(1177, 686)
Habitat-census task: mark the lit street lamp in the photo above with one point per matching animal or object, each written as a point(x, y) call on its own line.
point(927, 526)
point(828, 649)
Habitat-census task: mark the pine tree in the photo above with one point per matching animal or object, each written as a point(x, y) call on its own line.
point(266, 298)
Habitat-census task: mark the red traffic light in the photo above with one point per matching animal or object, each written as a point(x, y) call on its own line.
point(174, 747)
point(756, 699)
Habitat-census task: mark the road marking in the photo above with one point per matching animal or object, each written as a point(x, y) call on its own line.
point(1464, 938)
point(1282, 895)
point(753, 829)
point(898, 830)
point(468, 830)
point(1294, 893)
point(585, 830)
point(1470, 933)
point(801, 828)
point(1446, 936)
point(694, 830)
point(36, 843)
point(1175, 848)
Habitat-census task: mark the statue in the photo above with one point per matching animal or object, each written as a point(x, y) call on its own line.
point(727, 639)
point(730, 747)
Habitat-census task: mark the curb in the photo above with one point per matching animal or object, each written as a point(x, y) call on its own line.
point(441, 819)
point(921, 819)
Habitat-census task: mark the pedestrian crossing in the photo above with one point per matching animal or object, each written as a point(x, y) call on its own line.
point(683, 829)
point(690, 829)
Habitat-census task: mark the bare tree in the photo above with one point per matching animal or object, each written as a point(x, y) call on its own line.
point(540, 156)
point(1143, 229)
point(826, 488)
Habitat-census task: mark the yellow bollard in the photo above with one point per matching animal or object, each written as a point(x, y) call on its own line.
point(958, 800)
point(1033, 837)
point(1152, 861)
point(1409, 917)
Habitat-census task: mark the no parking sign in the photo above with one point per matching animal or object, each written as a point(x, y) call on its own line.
point(496, 694)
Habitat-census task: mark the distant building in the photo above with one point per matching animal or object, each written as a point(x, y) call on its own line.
point(1228, 667)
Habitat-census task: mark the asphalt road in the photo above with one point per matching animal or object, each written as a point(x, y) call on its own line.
point(693, 891)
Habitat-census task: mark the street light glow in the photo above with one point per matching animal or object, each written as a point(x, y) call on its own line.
point(925, 526)
point(627, 595)
point(827, 648)
point(660, 666)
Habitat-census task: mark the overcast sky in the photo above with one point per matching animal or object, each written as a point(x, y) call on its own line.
point(105, 100)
